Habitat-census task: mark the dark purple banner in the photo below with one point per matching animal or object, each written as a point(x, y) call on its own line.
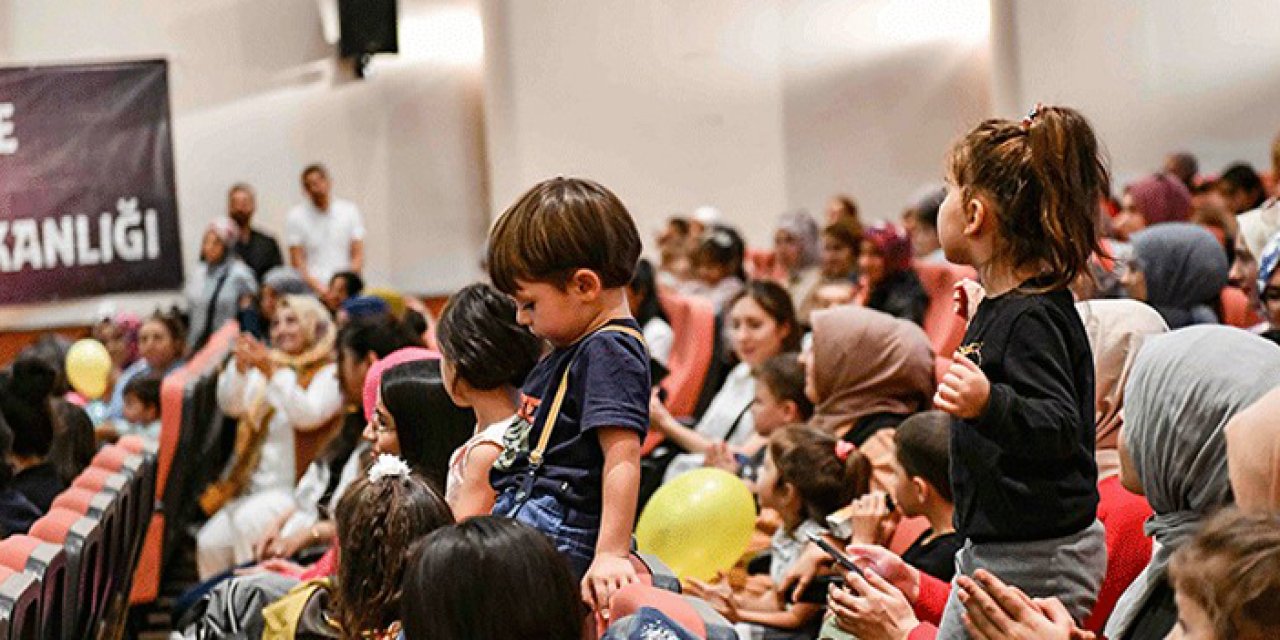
point(87, 204)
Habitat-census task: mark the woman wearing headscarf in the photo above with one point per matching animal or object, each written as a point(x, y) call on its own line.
point(1184, 388)
point(218, 284)
point(795, 247)
point(1117, 330)
point(1150, 201)
point(865, 373)
point(889, 284)
point(277, 394)
point(1257, 228)
point(1180, 269)
point(1268, 289)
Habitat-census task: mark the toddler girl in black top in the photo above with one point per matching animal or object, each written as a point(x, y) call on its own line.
point(1022, 201)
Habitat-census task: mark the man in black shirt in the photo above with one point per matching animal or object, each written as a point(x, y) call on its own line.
point(258, 250)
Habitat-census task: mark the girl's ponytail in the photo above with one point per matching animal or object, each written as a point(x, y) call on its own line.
point(827, 473)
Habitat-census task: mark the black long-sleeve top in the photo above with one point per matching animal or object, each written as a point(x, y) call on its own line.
point(1024, 469)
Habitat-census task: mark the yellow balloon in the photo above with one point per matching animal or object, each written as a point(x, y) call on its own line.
point(699, 524)
point(89, 368)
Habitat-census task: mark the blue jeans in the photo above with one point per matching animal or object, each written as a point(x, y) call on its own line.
point(544, 512)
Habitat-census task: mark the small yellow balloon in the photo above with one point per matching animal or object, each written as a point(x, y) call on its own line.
point(89, 368)
point(699, 524)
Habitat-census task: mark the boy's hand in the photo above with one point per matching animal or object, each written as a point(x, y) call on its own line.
point(607, 574)
point(966, 297)
point(869, 514)
point(964, 391)
point(720, 457)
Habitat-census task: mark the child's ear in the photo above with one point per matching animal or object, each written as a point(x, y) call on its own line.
point(791, 410)
point(921, 488)
point(585, 282)
point(975, 216)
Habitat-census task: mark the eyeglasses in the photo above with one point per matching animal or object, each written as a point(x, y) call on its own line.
point(381, 427)
point(1271, 294)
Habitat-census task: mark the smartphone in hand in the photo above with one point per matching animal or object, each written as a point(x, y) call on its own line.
point(836, 554)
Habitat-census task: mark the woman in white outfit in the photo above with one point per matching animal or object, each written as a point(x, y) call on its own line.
point(292, 387)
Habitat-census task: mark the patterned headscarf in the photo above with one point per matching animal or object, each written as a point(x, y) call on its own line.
point(1267, 263)
point(893, 243)
point(1161, 198)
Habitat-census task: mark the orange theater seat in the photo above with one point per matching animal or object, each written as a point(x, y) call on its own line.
point(631, 598)
point(944, 328)
point(102, 507)
point(81, 540)
point(48, 564)
point(1237, 309)
point(693, 322)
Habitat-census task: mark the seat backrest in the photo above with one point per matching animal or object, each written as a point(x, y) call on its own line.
point(941, 323)
point(19, 604)
point(99, 507)
point(48, 563)
point(1237, 309)
point(81, 540)
point(631, 598)
point(693, 322)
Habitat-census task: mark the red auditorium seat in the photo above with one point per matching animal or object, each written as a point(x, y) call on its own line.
point(118, 484)
point(944, 328)
point(1237, 309)
point(48, 564)
point(81, 540)
point(693, 321)
point(19, 605)
point(102, 507)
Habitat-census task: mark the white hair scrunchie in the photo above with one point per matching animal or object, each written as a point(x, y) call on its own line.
point(388, 466)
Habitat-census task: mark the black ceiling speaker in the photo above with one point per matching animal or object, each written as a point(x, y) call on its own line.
point(367, 27)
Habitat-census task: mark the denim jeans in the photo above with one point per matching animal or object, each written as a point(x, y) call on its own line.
point(544, 512)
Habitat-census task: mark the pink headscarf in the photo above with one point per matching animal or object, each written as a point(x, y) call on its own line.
point(374, 379)
point(893, 244)
point(1161, 198)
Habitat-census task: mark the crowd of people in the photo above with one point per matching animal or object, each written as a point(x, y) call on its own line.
point(1098, 458)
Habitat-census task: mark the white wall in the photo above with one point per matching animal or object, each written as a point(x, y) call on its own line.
point(1154, 76)
point(257, 94)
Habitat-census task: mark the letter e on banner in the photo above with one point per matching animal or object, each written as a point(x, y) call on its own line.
point(8, 143)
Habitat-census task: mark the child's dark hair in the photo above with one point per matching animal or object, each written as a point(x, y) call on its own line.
point(923, 444)
point(645, 286)
point(722, 244)
point(26, 405)
point(777, 303)
point(559, 226)
point(846, 232)
point(378, 522)
point(1231, 569)
point(449, 589)
point(352, 280)
point(1241, 177)
point(783, 374)
point(73, 442)
point(379, 335)
point(428, 425)
point(478, 334)
point(807, 459)
point(1044, 178)
point(145, 388)
point(174, 322)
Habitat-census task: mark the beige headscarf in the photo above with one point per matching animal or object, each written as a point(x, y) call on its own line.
point(1258, 226)
point(317, 331)
point(1253, 454)
point(1117, 329)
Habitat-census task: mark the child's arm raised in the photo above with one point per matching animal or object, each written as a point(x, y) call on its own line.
point(620, 483)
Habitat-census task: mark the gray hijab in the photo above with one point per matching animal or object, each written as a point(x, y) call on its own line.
point(1186, 269)
point(1184, 387)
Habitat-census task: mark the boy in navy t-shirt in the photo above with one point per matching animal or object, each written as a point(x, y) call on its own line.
point(570, 466)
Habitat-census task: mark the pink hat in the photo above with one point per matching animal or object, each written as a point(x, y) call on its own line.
point(374, 379)
point(1161, 198)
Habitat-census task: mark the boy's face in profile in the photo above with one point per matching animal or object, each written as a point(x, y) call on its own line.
point(767, 412)
point(558, 315)
point(138, 412)
point(903, 490)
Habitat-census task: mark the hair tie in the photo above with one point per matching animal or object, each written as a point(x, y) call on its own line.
point(388, 466)
point(1031, 115)
point(843, 449)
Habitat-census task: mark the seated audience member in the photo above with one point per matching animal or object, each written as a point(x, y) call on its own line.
point(717, 267)
point(1220, 222)
point(807, 474)
point(1257, 227)
point(675, 252)
point(889, 284)
point(797, 253)
point(363, 308)
point(842, 209)
point(1184, 167)
point(925, 244)
point(17, 513)
point(1227, 579)
point(642, 295)
point(485, 356)
point(832, 294)
point(343, 286)
point(255, 317)
point(214, 290)
point(379, 519)
point(1268, 289)
point(258, 250)
point(1184, 388)
point(273, 392)
point(141, 409)
point(118, 332)
point(762, 324)
point(449, 589)
point(73, 441)
point(704, 218)
point(1150, 201)
point(865, 373)
point(1180, 269)
point(1241, 187)
point(780, 400)
point(26, 405)
point(921, 486)
point(162, 341)
point(840, 243)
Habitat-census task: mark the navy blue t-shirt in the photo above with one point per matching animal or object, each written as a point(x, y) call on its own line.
point(608, 387)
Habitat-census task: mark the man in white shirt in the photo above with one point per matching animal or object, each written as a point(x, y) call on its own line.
point(325, 235)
